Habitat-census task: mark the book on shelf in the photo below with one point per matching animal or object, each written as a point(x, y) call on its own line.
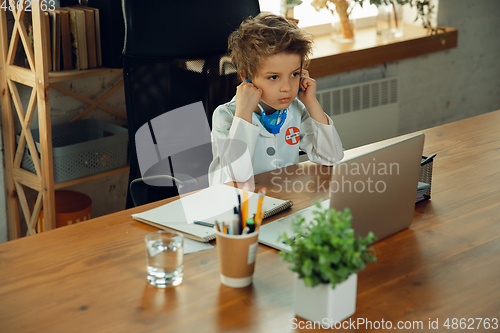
point(77, 24)
point(90, 33)
point(66, 63)
point(93, 36)
point(98, 37)
point(46, 38)
point(215, 203)
point(55, 39)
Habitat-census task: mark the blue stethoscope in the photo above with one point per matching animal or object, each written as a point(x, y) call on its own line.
point(275, 129)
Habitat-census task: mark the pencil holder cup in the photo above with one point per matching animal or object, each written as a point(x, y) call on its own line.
point(237, 255)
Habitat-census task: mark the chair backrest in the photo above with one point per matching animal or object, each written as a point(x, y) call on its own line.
point(182, 29)
point(175, 55)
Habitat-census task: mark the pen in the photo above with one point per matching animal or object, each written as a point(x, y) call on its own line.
point(205, 224)
point(245, 231)
point(240, 218)
point(428, 159)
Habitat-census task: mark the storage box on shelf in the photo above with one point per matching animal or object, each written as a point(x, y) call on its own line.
point(83, 148)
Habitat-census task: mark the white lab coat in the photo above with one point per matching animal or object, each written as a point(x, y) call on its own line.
point(266, 151)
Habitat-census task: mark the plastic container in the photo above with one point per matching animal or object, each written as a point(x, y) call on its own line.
point(71, 207)
point(83, 148)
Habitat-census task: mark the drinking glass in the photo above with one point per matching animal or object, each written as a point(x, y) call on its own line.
point(164, 258)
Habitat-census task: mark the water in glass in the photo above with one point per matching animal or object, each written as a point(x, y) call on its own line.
point(164, 258)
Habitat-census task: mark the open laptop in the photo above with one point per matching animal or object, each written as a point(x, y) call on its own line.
point(378, 185)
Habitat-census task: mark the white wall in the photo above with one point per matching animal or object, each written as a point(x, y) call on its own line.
point(435, 89)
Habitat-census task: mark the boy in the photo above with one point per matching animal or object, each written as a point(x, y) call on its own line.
point(270, 53)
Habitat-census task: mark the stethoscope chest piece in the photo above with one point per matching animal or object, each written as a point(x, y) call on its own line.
point(275, 129)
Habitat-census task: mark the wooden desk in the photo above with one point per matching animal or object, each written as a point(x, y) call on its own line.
point(91, 277)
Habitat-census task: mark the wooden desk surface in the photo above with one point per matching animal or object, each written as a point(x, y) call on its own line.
point(91, 277)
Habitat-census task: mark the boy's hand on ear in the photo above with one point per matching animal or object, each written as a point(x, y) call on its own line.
point(307, 85)
point(247, 100)
point(308, 96)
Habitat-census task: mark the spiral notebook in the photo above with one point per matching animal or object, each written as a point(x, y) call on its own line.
point(212, 204)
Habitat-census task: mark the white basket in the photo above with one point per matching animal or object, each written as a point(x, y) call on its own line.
point(83, 148)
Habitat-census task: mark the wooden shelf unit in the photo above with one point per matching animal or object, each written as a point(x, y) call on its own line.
point(39, 79)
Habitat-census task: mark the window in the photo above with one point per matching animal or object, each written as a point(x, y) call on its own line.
point(320, 22)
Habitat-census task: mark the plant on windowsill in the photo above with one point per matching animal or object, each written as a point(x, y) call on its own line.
point(326, 257)
point(425, 10)
point(288, 6)
point(344, 7)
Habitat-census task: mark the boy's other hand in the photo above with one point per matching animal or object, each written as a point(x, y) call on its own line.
point(247, 99)
point(308, 85)
point(308, 96)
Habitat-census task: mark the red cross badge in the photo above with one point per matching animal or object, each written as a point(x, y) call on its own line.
point(292, 136)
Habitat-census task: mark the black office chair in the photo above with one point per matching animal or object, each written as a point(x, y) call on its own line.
point(175, 55)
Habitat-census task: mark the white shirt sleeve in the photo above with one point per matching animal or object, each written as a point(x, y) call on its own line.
point(320, 141)
point(233, 147)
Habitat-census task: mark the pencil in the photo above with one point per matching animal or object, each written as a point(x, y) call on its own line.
point(260, 218)
point(262, 194)
point(244, 206)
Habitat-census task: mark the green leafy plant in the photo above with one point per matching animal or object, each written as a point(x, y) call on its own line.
point(325, 249)
point(293, 2)
point(424, 9)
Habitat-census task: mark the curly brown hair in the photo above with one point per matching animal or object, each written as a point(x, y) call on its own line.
point(263, 36)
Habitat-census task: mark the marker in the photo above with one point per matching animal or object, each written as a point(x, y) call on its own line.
point(251, 225)
point(245, 231)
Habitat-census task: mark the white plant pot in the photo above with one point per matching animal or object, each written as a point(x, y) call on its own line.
point(324, 304)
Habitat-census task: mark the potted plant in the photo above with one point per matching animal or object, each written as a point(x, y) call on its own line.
point(326, 257)
point(288, 6)
point(343, 8)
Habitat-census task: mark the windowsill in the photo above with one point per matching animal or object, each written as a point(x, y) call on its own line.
point(368, 49)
